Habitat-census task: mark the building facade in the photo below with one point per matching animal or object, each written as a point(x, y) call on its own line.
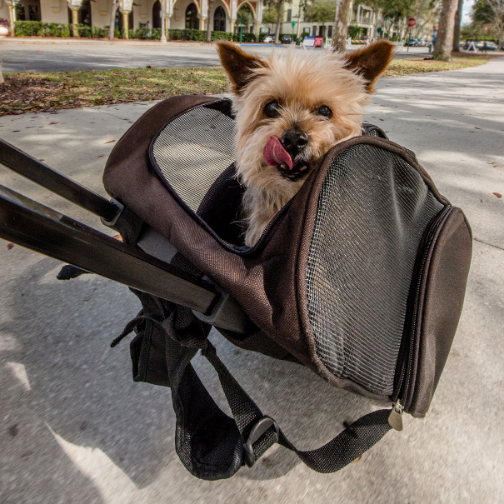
point(225, 15)
point(359, 15)
point(179, 14)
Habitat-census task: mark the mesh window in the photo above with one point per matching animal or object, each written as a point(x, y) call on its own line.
point(193, 150)
point(372, 211)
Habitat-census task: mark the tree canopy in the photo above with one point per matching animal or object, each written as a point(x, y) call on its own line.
point(320, 11)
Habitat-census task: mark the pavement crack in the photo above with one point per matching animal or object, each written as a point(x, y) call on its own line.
point(489, 244)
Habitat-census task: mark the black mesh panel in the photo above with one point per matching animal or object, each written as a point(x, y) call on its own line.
point(372, 212)
point(193, 150)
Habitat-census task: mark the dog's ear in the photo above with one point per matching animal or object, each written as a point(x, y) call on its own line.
point(371, 61)
point(238, 65)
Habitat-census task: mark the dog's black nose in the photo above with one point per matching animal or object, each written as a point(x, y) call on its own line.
point(294, 142)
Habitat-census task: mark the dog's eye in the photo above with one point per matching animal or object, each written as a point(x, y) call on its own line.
point(271, 109)
point(325, 111)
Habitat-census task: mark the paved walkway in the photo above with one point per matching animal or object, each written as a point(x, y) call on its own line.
point(76, 429)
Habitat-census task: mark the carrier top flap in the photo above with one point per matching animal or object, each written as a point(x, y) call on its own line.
point(330, 280)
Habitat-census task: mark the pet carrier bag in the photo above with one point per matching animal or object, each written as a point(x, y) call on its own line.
point(360, 277)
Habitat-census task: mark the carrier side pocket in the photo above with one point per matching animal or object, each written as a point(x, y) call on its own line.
point(441, 300)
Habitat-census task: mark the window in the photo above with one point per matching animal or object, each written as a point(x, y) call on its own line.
point(289, 15)
point(329, 31)
point(355, 8)
point(314, 31)
point(220, 19)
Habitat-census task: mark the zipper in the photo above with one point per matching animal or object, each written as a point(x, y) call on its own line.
point(395, 417)
point(403, 395)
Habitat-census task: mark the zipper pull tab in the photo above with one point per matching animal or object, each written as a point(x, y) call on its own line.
point(395, 417)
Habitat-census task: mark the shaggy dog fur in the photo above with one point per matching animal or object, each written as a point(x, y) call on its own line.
point(316, 96)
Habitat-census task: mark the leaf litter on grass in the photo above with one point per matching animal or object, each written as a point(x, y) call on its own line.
point(47, 92)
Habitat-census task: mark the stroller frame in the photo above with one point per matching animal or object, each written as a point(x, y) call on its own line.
point(42, 229)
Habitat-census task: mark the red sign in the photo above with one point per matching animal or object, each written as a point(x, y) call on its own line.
point(411, 22)
point(318, 42)
point(486, 29)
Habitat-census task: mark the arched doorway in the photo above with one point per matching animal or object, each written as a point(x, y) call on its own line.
point(191, 17)
point(246, 17)
point(220, 19)
point(85, 13)
point(156, 14)
point(28, 10)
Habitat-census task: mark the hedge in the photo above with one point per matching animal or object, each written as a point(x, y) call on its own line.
point(40, 29)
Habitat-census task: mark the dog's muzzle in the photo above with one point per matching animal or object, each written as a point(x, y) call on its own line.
point(300, 169)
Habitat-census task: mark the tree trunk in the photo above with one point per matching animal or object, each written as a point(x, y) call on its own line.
point(113, 10)
point(341, 26)
point(456, 28)
point(209, 26)
point(444, 39)
point(279, 21)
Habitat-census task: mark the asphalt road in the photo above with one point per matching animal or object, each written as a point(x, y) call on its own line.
point(76, 429)
point(57, 57)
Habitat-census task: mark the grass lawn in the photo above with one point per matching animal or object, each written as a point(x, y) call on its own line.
point(35, 92)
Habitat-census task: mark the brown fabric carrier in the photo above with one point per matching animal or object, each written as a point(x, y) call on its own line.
point(360, 277)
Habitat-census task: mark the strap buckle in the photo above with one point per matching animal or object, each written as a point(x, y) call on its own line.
point(258, 430)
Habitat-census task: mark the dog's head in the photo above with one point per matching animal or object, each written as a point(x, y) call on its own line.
point(290, 110)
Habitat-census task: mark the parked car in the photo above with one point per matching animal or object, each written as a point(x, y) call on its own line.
point(481, 46)
point(286, 39)
point(422, 42)
point(487, 46)
point(269, 39)
point(413, 42)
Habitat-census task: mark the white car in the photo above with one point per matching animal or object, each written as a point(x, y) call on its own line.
point(269, 39)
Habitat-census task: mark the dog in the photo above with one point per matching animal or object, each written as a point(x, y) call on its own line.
point(289, 112)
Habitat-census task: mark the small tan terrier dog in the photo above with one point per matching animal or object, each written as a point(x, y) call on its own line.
point(289, 112)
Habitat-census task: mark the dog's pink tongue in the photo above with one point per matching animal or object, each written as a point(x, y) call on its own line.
point(274, 154)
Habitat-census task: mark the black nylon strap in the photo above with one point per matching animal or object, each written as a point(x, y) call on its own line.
point(350, 444)
point(210, 444)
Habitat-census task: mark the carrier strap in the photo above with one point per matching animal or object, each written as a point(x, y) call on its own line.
point(349, 445)
point(211, 444)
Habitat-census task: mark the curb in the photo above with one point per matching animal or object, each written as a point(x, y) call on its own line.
point(81, 41)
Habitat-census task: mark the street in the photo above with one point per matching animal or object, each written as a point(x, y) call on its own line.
point(42, 56)
point(76, 429)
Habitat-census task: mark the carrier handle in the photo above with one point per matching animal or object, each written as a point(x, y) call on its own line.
point(50, 179)
point(39, 228)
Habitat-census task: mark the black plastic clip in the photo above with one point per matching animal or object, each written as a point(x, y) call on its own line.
point(258, 430)
point(120, 207)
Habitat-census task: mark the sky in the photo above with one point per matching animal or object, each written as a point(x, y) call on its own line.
point(466, 11)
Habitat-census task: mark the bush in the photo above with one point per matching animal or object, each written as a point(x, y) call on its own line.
point(100, 32)
point(139, 33)
point(66, 30)
point(175, 34)
point(199, 35)
point(40, 29)
point(219, 35)
point(28, 28)
point(247, 37)
point(84, 31)
point(355, 32)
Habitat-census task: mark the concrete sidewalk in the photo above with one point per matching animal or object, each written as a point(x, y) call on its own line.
point(76, 429)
